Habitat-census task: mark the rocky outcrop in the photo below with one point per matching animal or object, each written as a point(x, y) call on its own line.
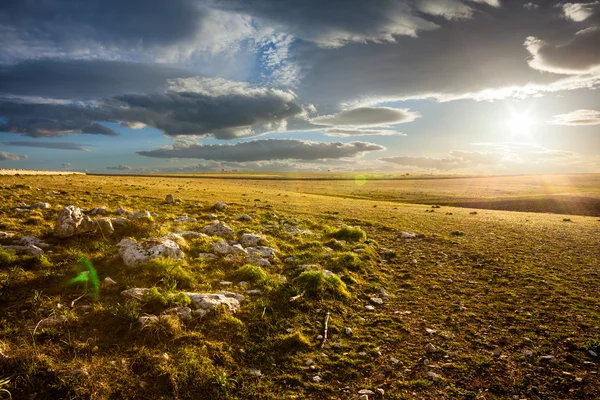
point(138, 253)
point(72, 221)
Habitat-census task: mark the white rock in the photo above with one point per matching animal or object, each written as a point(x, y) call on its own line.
point(366, 391)
point(139, 214)
point(251, 240)
point(71, 221)
point(184, 313)
point(220, 206)
point(223, 248)
point(32, 240)
point(191, 234)
point(135, 293)
point(380, 391)
point(210, 301)
point(135, 254)
point(407, 235)
point(253, 291)
point(244, 217)
point(185, 219)
point(225, 283)
point(255, 372)
point(105, 226)
point(109, 281)
point(29, 249)
point(433, 376)
point(217, 228)
point(317, 378)
point(348, 331)
point(376, 300)
point(6, 235)
point(211, 217)
point(262, 251)
point(40, 205)
point(370, 308)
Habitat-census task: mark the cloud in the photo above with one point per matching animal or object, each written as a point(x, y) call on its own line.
point(264, 150)
point(442, 164)
point(120, 167)
point(579, 55)
point(6, 156)
point(367, 116)
point(192, 106)
point(66, 165)
point(342, 132)
point(579, 12)
point(577, 117)
point(50, 145)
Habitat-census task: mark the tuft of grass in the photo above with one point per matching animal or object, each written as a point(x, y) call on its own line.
point(129, 311)
point(165, 299)
point(350, 234)
point(321, 284)
point(164, 327)
point(457, 233)
point(292, 343)
point(251, 273)
point(346, 261)
point(7, 257)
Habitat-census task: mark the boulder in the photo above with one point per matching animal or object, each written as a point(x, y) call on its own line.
point(32, 240)
point(244, 217)
point(71, 221)
point(220, 206)
point(105, 226)
point(99, 211)
point(251, 240)
point(29, 249)
point(135, 293)
point(139, 214)
point(137, 253)
point(217, 228)
point(261, 251)
point(40, 205)
point(191, 234)
point(211, 301)
point(169, 199)
point(119, 221)
point(254, 260)
point(120, 211)
point(223, 248)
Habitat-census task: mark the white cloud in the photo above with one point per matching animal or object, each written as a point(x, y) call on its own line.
point(342, 132)
point(6, 156)
point(579, 12)
point(367, 116)
point(577, 117)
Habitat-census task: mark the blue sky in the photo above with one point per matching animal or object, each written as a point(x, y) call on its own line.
point(444, 86)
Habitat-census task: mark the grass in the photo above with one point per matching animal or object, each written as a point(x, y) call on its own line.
point(513, 282)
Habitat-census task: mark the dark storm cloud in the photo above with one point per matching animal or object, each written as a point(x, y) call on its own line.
point(84, 78)
point(264, 150)
point(203, 106)
point(50, 145)
point(367, 116)
point(109, 22)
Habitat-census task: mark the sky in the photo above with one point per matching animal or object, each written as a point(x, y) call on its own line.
point(434, 86)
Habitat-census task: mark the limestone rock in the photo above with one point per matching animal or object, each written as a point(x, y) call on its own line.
point(135, 254)
point(251, 240)
point(105, 226)
point(183, 313)
point(32, 240)
point(190, 234)
point(217, 228)
point(99, 211)
point(223, 248)
point(71, 221)
point(120, 211)
point(40, 205)
point(185, 219)
point(170, 199)
point(262, 251)
point(220, 206)
point(139, 214)
point(29, 249)
point(135, 293)
point(210, 301)
point(119, 221)
point(243, 217)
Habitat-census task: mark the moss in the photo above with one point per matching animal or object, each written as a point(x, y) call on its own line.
point(292, 343)
point(251, 273)
point(165, 299)
point(7, 257)
point(320, 284)
point(350, 234)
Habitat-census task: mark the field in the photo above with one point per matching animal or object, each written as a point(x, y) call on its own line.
point(479, 304)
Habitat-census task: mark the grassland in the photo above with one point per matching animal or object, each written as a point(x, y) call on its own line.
point(508, 301)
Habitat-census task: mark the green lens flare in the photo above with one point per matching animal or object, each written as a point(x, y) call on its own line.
point(88, 275)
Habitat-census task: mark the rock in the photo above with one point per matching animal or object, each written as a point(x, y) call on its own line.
point(233, 295)
point(348, 331)
point(407, 235)
point(592, 353)
point(384, 294)
point(207, 256)
point(40, 205)
point(294, 230)
point(262, 251)
point(380, 391)
point(145, 319)
point(32, 240)
point(308, 363)
point(185, 219)
point(220, 206)
point(254, 260)
point(80, 373)
point(109, 281)
point(376, 300)
point(211, 217)
point(135, 254)
point(175, 237)
point(105, 226)
point(225, 283)
point(430, 348)
point(255, 372)
point(243, 217)
point(547, 359)
point(251, 240)
point(140, 214)
point(433, 376)
point(366, 391)
point(253, 291)
point(135, 293)
point(183, 313)
point(317, 378)
point(71, 221)
point(190, 234)
point(120, 211)
point(28, 250)
point(52, 322)
point(217, 228)
point(394, 360)
point(363, 397)
point(527, 352)
point(430, 332)
point(99, 210)
point(289, 260)
point(222, 248)
point(210, 301)
point(169, 199)
point(119, 221)
point(6, 235)
point(370, 308)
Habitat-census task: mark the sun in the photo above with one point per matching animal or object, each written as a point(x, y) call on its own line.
point(520, 124)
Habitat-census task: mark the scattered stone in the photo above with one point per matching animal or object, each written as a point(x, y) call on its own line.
point(308, 363)
point(145, 319)
point(370, 308)
point(225, 283)
point(384, 294)
point(32, 240)
point(217, 228)
point(348, 331)
point(380, 391)
point(223, 248)
point(135, 293)
point(261, 262)
point(430, 348)
point(185, 219)
point(169, 199)
point(40, 205)
point(140, 214)
point(137, 253)
point(376, 300)
point(394, 360)
point(6, 235)
point(433, 376)
point(29, 249)
point(527, 352)
point(211, 217)
point(191, 234)
point(52, 322)
point(548, 359)
point(211, 301)
point(71, 221)
point(294, 230)
point(449, 280)
point(366, 391)
point(317, 378)
point(105, 226)
point(430, 332)
point(363, 397)
point(253, 291)
point(251, 240)
point(407, 235)
point(120, 211)
point(255, 372)
point(99, 210)
point(80, 373)
point(109, 281)
point(119, 221)
point(289, 260)
point(220, 206)
point(578, 379)
point(262, 251)
point(592, 353)
point(243, 217)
